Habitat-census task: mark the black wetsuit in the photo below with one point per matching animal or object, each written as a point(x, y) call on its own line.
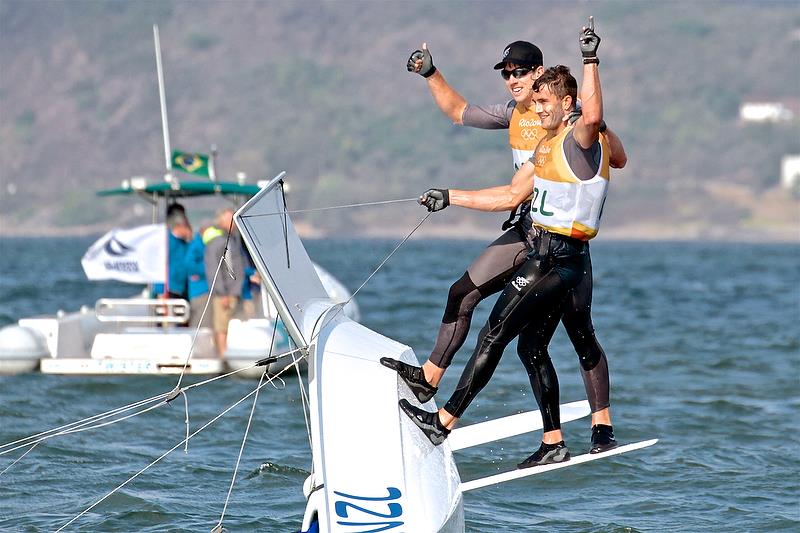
point(530, 307)
point(537, 295)
point(491, 271)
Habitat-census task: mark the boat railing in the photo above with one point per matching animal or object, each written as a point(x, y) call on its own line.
point(142, 310)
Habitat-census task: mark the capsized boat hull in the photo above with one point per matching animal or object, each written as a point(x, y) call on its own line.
point(373, 467)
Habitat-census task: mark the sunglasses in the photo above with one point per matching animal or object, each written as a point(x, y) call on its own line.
point(517, 72)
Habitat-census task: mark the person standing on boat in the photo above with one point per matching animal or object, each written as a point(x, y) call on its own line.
point(222, 239)
point(520, 66)
point(570, 171)
point(179, 233)
point(198, 283)
point(251, 293)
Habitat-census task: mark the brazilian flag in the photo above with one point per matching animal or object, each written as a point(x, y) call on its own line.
point(191, 163)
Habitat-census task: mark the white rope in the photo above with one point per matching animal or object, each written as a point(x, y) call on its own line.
point(192, 435)
point(241, 450)
point(186, 406)
point(200, 323)
point(305, 403)
point(67, 428)
point(83, 423)
point(219, 527)
point(110, 422)
point(340, 308)
point(341, 305)
point(421, 222)
point(215, 378)
point(365, 204)
point(18, 459)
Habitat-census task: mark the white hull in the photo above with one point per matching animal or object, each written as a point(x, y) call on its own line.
point(138, 343)
point(88, 366)
point(366, 448)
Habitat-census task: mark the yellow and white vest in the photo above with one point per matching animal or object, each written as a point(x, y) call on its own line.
point(524, 133)
point(562, 203)
point(211, 233)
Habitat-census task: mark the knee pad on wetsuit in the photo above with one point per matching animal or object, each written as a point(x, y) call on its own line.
point(589, 360)
point(581, 333)
point(536, 358)
point(458, 291)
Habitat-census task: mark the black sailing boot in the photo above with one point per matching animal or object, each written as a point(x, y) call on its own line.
point(602, 438)
point(428, 422)
point(547, 454)
point(413, 376)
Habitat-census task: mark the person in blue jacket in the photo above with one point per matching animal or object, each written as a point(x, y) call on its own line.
point(197, 282)
point(179, 233)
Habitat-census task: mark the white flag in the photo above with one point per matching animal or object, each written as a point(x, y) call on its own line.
point(137, 255)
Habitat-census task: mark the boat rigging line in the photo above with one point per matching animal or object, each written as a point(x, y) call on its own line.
point(218, 527)
point(192, 435)
point(18, 459)
point(332, 207)
point(85, 423)
point(67, 428)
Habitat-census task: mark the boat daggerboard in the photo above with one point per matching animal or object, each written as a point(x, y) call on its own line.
point(288, 273)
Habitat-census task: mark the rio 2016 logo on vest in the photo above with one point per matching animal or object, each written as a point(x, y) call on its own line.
point(529, 122)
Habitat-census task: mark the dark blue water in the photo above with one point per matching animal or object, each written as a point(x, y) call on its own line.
point(704, 348)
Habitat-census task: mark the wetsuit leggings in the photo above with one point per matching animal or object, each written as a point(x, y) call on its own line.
point(530, 307)
point(488, 274)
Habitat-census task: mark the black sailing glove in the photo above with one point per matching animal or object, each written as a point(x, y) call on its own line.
point(589, 41)
point(427, 69)
point(576, 114)
point(435, 199)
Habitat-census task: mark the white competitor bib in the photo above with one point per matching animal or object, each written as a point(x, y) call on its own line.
point(562, 203)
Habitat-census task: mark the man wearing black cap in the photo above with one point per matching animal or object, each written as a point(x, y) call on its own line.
point(520, 66)
point(569, 176)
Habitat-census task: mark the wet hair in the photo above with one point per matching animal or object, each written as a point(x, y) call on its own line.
point(558, 81)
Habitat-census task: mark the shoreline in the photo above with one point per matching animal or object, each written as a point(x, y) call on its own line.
point(655, 233)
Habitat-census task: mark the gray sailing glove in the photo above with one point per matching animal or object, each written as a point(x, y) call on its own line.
point(427, 69)
point(435, 199)
point(589, 41)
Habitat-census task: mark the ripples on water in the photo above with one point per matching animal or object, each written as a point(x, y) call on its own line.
point(703, 343)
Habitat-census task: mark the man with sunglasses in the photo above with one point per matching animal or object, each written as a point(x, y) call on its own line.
point(568, 174)
point(521, 65)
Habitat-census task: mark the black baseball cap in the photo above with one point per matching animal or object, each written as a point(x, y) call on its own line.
point(521, 53)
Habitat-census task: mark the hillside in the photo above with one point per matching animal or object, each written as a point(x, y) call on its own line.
point(320, 89)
